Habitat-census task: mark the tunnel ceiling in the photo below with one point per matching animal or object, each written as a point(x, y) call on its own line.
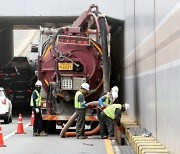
point(35, 22)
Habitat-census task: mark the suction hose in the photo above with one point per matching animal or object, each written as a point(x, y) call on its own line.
point(103, 36)
point(68, 124)
point(87, 133)
point(60, 31)
point(64, 132)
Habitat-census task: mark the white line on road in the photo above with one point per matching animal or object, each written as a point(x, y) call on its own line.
point(11, 134)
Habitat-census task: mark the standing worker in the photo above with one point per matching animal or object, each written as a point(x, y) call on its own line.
point(79, 103)
point(109, 115)
point(104, 101)
point(36, 107)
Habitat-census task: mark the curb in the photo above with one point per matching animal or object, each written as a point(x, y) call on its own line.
point(141, 144)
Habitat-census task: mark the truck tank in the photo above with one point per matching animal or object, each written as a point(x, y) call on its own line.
point(68, 57)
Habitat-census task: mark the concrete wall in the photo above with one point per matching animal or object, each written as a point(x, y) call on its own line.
point(152, 67)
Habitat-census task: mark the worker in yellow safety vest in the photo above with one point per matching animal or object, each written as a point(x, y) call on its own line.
point(109, 115)
point(36, 107)
point(80, 106)
point(104, 101)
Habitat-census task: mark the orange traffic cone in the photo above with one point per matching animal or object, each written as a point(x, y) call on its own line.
point(32, 119)
point(1, 139)
point(20, 129)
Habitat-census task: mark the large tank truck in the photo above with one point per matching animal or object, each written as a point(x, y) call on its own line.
point(68, 57)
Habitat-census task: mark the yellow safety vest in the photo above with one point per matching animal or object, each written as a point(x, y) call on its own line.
point(38, 99)
point(77, 104)
point(110, 110)
point(108, 101)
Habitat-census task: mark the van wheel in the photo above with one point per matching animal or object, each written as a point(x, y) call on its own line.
point(10, 119)
point(6, 120)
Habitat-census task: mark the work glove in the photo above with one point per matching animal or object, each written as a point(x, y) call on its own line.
point(36, 110)
point(84, 105)
point(103, 107)
point(87, 105)
point(120, 127)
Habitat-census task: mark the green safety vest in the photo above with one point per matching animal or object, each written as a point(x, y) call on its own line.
point(77, 104)
point(110, 110)
point(38, 99)
point(108, 101)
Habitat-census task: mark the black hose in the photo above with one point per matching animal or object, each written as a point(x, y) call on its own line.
point(103, 35)
point(43, 46)
point(60, 31)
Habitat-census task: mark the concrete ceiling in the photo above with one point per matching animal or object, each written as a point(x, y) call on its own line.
point(35, 22)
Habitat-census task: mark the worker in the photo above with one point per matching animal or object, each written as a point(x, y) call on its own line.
point(109, 115)
point(36, 107)
point(79, 103)
point(109, 99)
point(115, 89)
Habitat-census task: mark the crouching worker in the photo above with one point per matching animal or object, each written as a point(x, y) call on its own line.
point(109, 115)
point(80, 106)
point(105, 101)
point(36, 107)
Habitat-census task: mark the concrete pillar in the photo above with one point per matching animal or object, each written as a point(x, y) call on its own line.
point(6, 46)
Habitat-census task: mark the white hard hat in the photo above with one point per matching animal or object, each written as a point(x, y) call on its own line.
point(38, 83)
point(115, 89)
point(85, 86)
point(114, 95)
point(127, 106)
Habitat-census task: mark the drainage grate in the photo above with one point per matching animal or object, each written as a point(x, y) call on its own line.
point(126, 150)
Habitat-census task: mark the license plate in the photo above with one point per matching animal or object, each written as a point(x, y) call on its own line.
point(19, 96)
point(7, 79)
point(65, 66)
point(43, 104)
